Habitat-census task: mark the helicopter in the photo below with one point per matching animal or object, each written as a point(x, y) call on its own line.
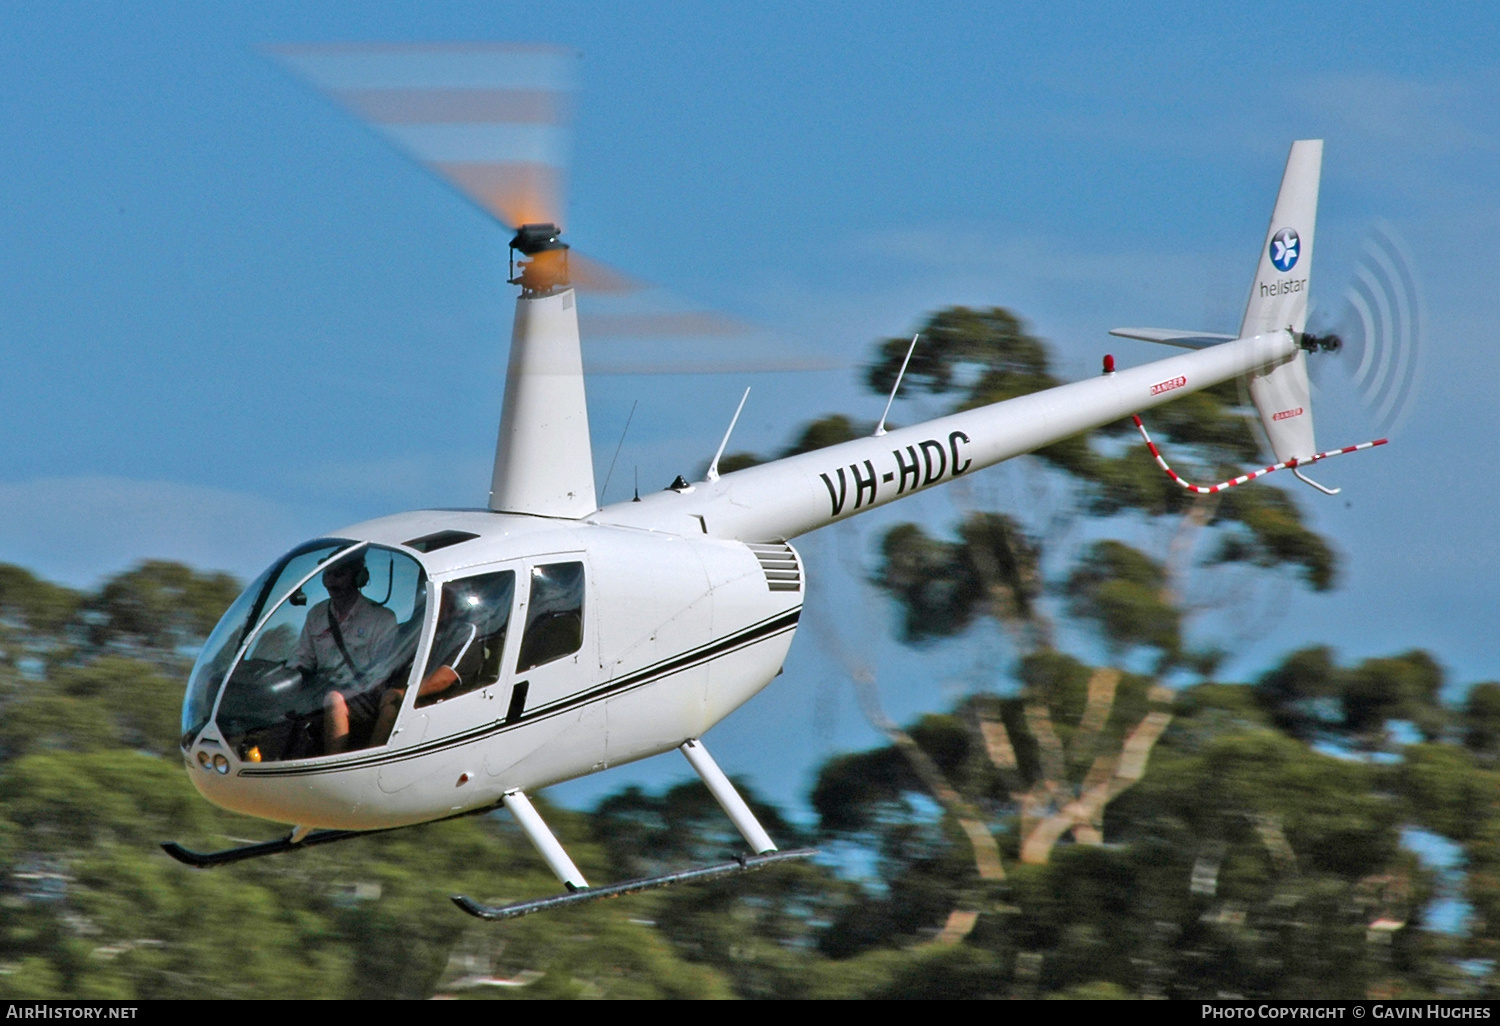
point(449, 662)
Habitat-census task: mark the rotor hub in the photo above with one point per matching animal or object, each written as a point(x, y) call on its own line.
point(545, 267)
point(1311, 343)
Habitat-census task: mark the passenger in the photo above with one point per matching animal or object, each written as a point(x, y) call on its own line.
point(457, 651)
point(343, 644)
point(457, 657)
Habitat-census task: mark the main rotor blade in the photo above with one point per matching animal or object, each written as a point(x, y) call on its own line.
point(490, 119)
point(596, 276)
point(661, 324)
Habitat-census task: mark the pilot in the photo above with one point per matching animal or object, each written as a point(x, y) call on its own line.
point(343, 644)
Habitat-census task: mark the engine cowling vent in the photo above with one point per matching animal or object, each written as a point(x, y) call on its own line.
point(779, 562)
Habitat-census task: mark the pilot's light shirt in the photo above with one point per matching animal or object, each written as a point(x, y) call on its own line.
point(369, 633)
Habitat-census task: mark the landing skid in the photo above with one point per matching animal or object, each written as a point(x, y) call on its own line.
point(292, 842)
point(547, 846)
point(209, 859)
point(523, 908)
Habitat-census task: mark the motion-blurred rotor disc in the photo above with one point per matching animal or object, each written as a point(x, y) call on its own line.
point(491, 119)
point(1382, 325)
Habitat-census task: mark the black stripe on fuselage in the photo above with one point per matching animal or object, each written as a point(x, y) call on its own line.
point(779, 624)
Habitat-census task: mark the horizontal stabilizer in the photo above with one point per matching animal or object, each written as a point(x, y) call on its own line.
point(1171, 337)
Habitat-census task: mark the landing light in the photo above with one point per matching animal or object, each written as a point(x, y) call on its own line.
point(221, 764)
point(203, 758)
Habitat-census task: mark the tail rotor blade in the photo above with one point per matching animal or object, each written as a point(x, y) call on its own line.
point(1383, 326)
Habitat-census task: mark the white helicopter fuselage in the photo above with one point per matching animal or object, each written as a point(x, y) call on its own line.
point(684, 602)
point(678, 631)
point(691, 600)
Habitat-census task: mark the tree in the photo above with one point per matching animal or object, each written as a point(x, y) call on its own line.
point(1054, 746)
point(91, 781)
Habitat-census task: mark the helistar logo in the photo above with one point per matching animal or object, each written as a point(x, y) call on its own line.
point(1285, 248)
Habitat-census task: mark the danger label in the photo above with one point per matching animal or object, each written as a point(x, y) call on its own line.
point(1285, 414)
point(1168, 385)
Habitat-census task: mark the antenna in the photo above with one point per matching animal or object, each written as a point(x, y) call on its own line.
point(880, 428)
point(713, 468)
point(605, 490)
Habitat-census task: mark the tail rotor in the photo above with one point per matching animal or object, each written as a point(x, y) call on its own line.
point(1380, 329)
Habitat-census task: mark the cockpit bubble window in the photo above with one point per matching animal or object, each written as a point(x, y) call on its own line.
point(470, 638)
point(224, 643)
point(554, 615)
point(325, 669)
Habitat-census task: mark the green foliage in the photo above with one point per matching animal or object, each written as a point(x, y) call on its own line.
point(732, 461)
point(1310, 697)
point(369, 918)
point(1447, 792)
point(977, 353)
point(755, 929)
point(1122, 592)
point(159, 605)
point(993, 569)
point(1481, 719)
point(645, 835)
point(862, 791)
point(1272, 533)
point(826, 431)
point(1245, 861)
point(39, 605)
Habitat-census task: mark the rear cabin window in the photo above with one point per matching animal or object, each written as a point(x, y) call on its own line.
point(470, 640)
point(554, 615)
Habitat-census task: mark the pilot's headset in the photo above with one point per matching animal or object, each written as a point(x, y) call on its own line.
point(362, 569)
point(361, 576)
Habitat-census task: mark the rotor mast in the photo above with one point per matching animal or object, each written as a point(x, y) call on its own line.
point(544, 463)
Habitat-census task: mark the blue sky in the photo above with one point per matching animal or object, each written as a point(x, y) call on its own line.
point(231, 318)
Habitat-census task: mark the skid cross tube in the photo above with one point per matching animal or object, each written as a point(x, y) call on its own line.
point(718, 785)
point(728, 798)
point(543, 840)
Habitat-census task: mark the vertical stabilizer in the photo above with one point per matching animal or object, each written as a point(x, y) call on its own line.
point(544, 463)
point(1278, 302)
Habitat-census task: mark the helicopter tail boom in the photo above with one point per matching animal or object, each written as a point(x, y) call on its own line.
point(780, 500)
point(798, 494)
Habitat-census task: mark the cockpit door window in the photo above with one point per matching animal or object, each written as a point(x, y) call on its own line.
point(473, 622)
